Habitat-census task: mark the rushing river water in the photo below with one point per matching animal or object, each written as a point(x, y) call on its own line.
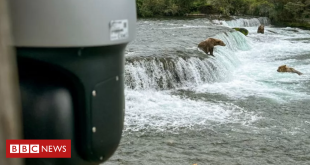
point(185, 107)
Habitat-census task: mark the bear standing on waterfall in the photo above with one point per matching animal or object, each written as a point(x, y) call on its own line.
point(208, 45)
point(284, 68)
point(260, 29)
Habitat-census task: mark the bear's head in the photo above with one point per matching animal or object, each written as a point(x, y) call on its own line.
point(220, 43)
point(282, 68)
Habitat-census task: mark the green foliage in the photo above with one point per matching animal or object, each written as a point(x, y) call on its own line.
point(261, 8)
point(150, 8)
point(296, 9)
point(224, 6)
point(276, 10)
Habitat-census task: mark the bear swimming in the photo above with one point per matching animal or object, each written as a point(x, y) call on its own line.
point(260, 29)
point(208, 45)
point(284, 68)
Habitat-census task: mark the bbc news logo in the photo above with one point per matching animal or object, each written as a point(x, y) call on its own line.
point(38, 148)
point(35, 148)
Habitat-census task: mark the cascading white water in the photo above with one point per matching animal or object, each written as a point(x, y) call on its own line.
point(161, 73)
point(264, 20)
point(241, 22)
point(234, 40)
point(234, 108)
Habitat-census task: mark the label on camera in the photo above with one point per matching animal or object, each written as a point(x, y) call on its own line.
point(118, 29)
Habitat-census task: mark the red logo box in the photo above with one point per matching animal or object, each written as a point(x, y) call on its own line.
point(38, 148)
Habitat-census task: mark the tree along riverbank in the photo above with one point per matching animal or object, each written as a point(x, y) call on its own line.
point(294, 13)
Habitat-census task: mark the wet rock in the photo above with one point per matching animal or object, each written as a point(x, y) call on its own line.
point(242, 30)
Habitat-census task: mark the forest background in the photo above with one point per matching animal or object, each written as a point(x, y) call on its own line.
point(280, 12)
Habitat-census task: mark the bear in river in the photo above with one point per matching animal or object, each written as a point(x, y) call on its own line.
point(284, 68)
point(208, 45)
point(260, 29)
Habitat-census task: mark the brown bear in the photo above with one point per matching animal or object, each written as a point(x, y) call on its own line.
point(260, 29)
point(284, 68)
point(208, 45)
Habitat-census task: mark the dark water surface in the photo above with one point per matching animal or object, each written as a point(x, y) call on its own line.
point(184, 107)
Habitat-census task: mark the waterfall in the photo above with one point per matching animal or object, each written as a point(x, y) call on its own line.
point(264, 20)
point(174, 72)
point(234, 40)
point(241, 22)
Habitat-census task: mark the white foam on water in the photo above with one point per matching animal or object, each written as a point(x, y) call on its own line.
point(192, 71)
point(234, 41)
point(186, 27)
point(257, 74)
point(151, 74)
point(245, 67)
point(163, 112)
point(241, 22)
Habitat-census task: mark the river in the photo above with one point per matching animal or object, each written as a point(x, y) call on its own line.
point(185, 107)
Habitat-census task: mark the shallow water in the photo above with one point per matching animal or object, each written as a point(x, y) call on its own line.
point(185, 107)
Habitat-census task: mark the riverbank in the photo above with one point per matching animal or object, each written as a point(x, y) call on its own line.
point(302, 25)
